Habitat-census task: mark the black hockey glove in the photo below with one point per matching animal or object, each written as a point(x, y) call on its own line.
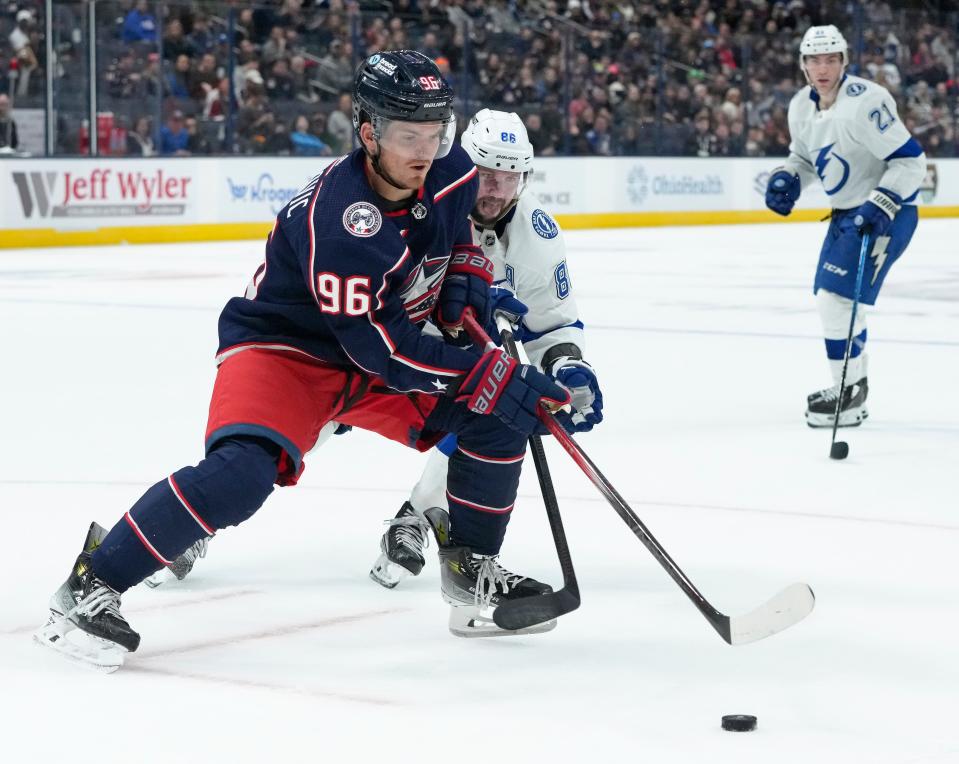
point(512, 391)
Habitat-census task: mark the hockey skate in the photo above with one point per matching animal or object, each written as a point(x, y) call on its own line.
point(401, 548)
point(180, 568)
point(85, 622)
point(473, 583)
point(821, 406)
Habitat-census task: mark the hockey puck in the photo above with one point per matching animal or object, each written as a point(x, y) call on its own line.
point(839, 450)
point(739, 723)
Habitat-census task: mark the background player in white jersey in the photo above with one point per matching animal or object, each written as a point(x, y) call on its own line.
point(532, 287)
point(846, 132)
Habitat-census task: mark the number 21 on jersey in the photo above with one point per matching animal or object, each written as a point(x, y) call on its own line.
point(882, 117)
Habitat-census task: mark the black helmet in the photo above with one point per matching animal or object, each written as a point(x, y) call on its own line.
point(400, 85)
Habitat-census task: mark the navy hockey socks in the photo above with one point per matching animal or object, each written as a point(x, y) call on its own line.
point(224, 489)
point(480, 491)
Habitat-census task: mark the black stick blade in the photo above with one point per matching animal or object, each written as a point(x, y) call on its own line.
point(839, 450)
point(529, 611)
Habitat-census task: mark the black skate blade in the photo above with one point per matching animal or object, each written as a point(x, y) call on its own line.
point(530, 611)
point(839, 450)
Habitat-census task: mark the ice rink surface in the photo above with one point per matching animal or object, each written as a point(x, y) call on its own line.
point(279, 648)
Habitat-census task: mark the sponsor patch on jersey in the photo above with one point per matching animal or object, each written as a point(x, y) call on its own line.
point(544, 225)
point(362, 219)
point(855, 88)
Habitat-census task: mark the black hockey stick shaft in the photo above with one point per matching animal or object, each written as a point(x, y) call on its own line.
point(718, 621)
point(520, 614)
point(840, 450)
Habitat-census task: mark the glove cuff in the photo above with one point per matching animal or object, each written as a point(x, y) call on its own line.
point(473, 263)
point(561, 353)
point(565, 361)
point(887, 201)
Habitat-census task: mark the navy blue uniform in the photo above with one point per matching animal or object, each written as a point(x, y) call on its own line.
point(331, 328)
point(347, 283)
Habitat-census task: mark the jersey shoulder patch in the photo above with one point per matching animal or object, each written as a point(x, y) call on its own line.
point(362, 219)
point(544, 225)
point(855, 89)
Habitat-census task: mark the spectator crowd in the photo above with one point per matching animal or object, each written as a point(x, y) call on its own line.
point(590, 77)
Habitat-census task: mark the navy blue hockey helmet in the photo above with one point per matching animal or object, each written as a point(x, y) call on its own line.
point(403, 86)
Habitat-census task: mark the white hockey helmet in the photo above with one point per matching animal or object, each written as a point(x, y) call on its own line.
point(497, 140)
point(820, 40)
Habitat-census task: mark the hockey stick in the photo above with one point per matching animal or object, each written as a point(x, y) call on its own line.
point(529, 611)
point(840, 449)
point(785, 609)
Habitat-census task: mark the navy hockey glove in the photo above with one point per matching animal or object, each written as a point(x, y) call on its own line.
point(466, 285)
point(877, 214)
point(512, 391)
point(503, 301)
point(587, 400)
point(782, 191)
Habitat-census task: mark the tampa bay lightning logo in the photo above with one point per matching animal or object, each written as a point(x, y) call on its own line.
point(823, 161)
point(855, 88)
point(375, 59)
point(543, 225)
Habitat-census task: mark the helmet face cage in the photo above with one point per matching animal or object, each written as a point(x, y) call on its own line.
point(497, 140)
point(821, 41)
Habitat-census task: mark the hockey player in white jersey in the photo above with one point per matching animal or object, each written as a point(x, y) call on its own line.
point(846, 133)
point(532, 283)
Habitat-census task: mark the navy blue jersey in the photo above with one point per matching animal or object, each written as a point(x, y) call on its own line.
point(352, 285)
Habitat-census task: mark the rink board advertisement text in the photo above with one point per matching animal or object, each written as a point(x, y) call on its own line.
point(97, 201)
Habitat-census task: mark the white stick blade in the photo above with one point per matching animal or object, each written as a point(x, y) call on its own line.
point(788, 607)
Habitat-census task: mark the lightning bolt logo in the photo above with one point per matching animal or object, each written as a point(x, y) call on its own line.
point(822, 159)
point(879, 255)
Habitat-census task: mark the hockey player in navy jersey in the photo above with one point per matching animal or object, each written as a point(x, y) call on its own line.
point(331, 328)
point(847, 134)
point(532, 286)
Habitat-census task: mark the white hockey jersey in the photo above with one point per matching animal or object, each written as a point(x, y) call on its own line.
point(856, 145)
point(529, 256)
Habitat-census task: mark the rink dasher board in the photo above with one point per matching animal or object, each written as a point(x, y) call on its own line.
point(62, 202)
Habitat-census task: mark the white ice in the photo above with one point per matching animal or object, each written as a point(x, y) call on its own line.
point(279, 647)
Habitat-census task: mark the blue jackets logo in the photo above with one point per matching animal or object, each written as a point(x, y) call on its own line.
point(543, 225)
point(362, 219)
point(263, 191)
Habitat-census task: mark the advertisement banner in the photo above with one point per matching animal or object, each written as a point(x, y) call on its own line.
point(258, 190)
point(91, 200)
point(79, 193)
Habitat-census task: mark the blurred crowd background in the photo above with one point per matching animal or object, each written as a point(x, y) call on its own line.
point(590, 77)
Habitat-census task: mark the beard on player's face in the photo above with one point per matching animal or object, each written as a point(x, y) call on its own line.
point(497, 190)
point(489, 209)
